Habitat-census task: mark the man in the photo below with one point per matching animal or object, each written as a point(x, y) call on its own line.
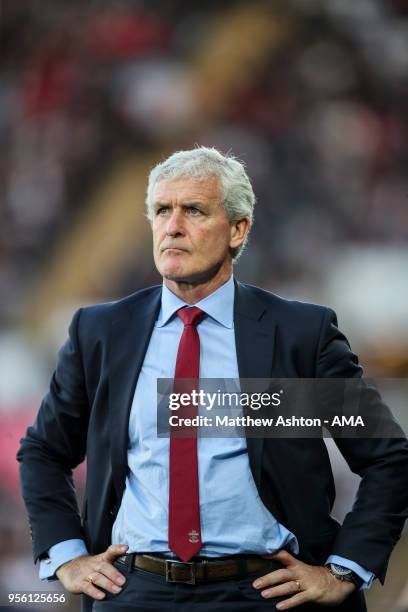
point(256, 511)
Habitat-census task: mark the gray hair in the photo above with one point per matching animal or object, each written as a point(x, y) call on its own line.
point(238, 198)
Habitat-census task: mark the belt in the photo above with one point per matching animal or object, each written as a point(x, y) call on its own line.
point(200, 569)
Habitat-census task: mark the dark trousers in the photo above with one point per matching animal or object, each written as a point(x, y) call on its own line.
point(145, 591)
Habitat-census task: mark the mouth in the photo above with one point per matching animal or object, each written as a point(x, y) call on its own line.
point(174, 250)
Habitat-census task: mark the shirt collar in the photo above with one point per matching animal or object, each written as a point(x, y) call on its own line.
point(219, 305)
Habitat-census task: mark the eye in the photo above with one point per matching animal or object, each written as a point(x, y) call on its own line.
point(194, 211)
point(162, 210)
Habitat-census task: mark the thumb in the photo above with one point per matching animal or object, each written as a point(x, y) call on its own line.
point(115, 550)
point(284, 557)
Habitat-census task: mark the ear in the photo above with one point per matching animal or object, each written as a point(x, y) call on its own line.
point(239, 230)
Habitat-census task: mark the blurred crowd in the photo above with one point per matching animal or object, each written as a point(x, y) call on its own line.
point(321, 123)
point(69, 86)
point(322, 126)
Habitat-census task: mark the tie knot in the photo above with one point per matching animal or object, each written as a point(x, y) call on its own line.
point(191, 315)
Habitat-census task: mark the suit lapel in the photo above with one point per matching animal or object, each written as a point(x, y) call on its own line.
point(130, 336)
point(254, 338)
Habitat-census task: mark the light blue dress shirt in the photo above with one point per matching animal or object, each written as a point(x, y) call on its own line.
point(233, 518)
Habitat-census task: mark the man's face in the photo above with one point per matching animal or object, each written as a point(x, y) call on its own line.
point(191, 232)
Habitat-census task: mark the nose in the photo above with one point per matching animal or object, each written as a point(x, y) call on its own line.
point(175, 226)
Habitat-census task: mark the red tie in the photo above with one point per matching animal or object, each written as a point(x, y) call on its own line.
point(184, 502)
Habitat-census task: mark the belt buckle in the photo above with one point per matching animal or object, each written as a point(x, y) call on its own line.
point(190, 564)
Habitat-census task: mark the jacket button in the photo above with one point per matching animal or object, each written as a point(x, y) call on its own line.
point(113, 511)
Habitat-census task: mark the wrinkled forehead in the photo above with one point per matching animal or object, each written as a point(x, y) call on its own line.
point(187, 188)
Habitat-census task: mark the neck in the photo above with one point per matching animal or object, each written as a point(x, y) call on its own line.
point(193, 292)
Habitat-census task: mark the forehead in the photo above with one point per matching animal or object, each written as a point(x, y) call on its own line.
point(187, 188)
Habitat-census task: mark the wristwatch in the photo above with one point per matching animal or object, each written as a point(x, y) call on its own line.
point(344, 574)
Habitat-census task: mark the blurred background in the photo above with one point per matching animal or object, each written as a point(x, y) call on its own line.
point(311, 94)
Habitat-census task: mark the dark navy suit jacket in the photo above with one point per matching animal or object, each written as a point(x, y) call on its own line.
point(86, 413)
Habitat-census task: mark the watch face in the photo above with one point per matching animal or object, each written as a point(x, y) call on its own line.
point(343, 573)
